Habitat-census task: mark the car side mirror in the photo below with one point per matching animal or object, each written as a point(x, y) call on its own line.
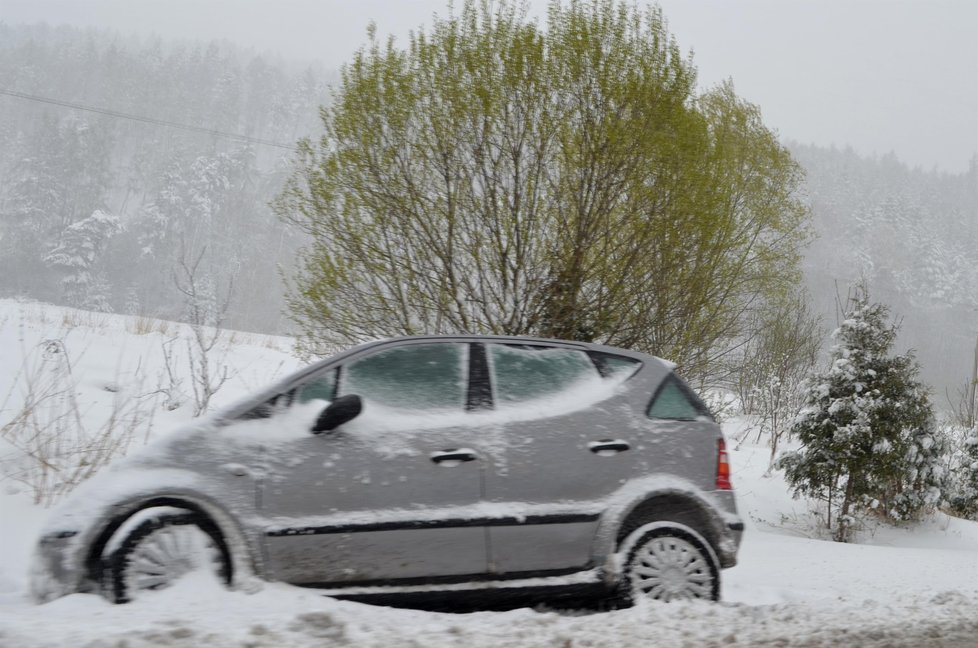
point(341, 410)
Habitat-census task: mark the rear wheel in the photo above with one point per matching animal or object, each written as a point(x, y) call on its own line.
point(161, 550)
point(667, 563)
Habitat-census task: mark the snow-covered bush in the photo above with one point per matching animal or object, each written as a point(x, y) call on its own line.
point(776, 402)
point(869, 441)
point(962, 494)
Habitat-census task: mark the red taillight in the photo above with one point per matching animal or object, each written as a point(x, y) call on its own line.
point(723, 467)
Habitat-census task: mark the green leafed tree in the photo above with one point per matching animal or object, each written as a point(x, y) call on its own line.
point(867, 431)
point(494, 176)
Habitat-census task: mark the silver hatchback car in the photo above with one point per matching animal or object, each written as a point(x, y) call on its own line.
point(434, 465)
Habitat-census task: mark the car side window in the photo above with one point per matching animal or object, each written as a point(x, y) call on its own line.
point(675, 402)
point(320, 388)
point(522, 373)
point(427, 377)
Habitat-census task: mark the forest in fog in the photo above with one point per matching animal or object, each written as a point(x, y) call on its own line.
point(912, 234)
point(121, 207)
point(100, 211)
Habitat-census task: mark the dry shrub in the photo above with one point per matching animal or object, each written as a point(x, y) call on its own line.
point(54, 447)
point(142, 325)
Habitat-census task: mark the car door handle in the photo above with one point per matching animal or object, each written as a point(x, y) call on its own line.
point(454, 456)
point(236, 469)
point(606, 447)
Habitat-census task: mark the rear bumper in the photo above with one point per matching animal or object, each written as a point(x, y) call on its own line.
point(730, 531)
point(729, 544)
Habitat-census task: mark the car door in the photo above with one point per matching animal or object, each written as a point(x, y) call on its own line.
point(387, 496)
point(568, 447)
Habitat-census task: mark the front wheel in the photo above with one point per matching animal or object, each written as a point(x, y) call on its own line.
point(665, 562)
point(163, 549)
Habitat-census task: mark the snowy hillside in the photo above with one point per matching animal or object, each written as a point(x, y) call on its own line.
point(899, 587)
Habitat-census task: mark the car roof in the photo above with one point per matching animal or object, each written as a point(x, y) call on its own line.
point(298, 376)
point(504, 339)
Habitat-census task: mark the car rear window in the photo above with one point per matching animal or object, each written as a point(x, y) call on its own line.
point(675, 401)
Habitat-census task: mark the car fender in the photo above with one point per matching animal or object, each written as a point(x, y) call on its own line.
point(70, 550)
point(719, 526)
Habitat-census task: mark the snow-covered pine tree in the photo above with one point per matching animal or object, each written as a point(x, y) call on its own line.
point(75, 258)
point(867, 433)
point(32, 197)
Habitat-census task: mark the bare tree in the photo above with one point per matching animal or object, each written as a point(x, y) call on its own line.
point(205, 312)
point(776, 361)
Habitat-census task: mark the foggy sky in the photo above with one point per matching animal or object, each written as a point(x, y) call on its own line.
point(879, 75)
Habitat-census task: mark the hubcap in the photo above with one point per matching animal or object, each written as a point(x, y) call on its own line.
point(668, 568)
point(168, 554)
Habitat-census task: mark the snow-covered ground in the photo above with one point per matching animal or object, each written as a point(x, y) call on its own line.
point(914, 586)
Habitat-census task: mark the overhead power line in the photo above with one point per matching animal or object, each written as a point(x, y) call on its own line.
point(146, 120)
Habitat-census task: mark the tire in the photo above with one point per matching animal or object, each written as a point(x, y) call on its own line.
point(162, 549)
point(668, 562)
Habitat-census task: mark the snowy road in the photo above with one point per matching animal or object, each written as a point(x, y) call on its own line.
point(282, 616)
